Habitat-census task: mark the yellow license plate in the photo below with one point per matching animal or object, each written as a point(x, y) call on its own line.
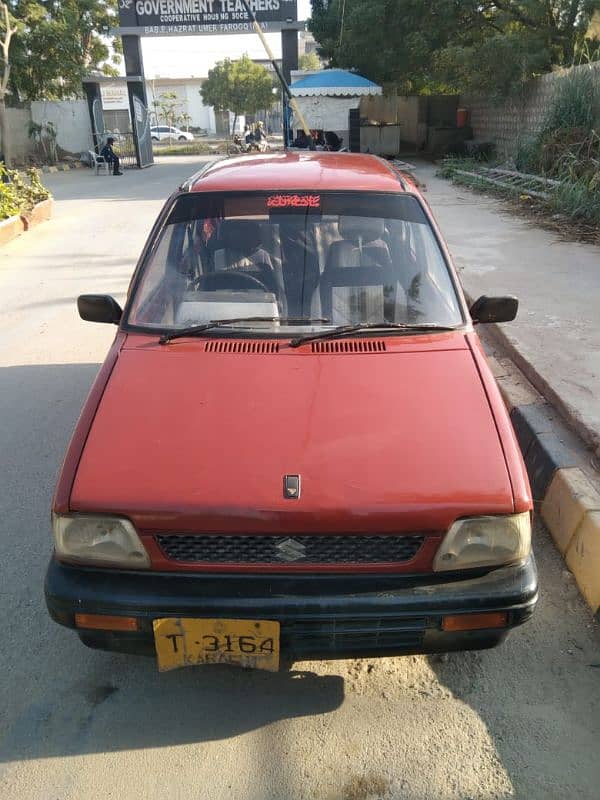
point(182, 642)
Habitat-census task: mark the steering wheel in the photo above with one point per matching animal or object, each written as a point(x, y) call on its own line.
point(232, 280)
point(260, 276)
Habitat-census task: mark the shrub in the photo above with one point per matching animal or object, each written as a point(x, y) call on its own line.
point(574, 104)
point(18, 196)
point(567, 128)
point(9, 200)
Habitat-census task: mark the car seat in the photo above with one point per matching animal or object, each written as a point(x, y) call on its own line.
point(358, 283)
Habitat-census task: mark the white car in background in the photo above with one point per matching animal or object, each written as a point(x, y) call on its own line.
point(162, 133)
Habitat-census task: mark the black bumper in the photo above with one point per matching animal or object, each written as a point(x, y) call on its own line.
point(321, 616)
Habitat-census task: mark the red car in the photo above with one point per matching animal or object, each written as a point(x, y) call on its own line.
point(295, 445)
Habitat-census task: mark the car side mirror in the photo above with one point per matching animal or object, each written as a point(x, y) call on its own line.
point(494, 309)
point(99, 308)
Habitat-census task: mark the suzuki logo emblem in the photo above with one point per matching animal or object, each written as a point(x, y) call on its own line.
point(290, 550)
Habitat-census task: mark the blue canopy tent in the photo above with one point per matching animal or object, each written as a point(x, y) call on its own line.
point(334, 83)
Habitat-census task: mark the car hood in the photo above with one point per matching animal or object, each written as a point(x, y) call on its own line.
point(387, 441)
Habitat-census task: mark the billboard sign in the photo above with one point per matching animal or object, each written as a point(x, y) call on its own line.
point(195, 17)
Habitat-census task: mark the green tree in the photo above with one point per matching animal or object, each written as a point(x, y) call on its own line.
point(59, 43)
point(242, 87)
point(168, 106)
point(309, 62)
point(465, 45)
point(515, 41)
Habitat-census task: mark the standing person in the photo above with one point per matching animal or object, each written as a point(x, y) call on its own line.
point(109, 155)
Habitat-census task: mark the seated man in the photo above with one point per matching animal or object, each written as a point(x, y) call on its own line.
point(301, 140)
point(109, 155)
point(332, 141)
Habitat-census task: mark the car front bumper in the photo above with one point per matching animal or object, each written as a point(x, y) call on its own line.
point(321, 616)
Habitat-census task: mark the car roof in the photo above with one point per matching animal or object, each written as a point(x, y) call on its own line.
point(301, 171)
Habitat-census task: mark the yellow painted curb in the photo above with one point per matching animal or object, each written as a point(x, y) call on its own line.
point(583, 558)
point(569, 497)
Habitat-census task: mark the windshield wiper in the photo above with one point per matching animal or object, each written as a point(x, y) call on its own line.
point(345, 330)
point(195, 330)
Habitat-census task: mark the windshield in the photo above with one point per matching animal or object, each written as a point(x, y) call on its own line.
point(329, 259)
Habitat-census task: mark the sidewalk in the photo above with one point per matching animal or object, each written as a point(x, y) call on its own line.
point(556, 336)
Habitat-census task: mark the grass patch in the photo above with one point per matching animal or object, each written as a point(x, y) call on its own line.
point(579, 198)
point(191, 148)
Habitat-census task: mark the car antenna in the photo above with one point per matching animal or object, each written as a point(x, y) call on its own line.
point(286, 89)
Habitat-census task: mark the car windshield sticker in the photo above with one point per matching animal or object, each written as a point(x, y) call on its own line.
point(294, 201)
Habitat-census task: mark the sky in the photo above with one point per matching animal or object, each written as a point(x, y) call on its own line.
point(193, 56)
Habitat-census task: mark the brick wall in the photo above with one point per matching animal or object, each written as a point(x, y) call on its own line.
point(506, 124)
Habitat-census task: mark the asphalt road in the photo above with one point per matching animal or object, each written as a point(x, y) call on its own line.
point(519, 721)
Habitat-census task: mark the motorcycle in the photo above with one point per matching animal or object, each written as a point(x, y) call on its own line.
point(238, 145)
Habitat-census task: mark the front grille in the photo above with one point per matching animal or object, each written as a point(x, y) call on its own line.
point(332, 549)
point(346, 636)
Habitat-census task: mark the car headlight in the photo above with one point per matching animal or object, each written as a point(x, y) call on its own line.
point(97, 539)
point(484, 542)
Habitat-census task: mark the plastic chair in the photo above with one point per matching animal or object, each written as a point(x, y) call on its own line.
point(98, 162)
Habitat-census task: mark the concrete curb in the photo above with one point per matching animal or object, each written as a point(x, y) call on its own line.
point(571, 416)
point(568, 502)
point(10, 228)
point(41, 212)
point(14, 226)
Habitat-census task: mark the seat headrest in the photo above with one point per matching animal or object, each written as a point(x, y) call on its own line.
point(367, 228)
point(240, 234)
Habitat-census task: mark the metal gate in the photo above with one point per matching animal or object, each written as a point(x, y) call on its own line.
point(141, 120)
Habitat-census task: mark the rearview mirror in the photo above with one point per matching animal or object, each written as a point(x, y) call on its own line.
point(494, 309)
point(99, 308)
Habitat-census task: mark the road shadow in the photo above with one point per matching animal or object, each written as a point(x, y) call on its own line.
point(101, 713)
point(518, 690)
point(58, 698)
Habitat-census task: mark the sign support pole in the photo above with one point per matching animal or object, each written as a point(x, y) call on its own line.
point(134, 68)
point(289, 62)
point(92, 93)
